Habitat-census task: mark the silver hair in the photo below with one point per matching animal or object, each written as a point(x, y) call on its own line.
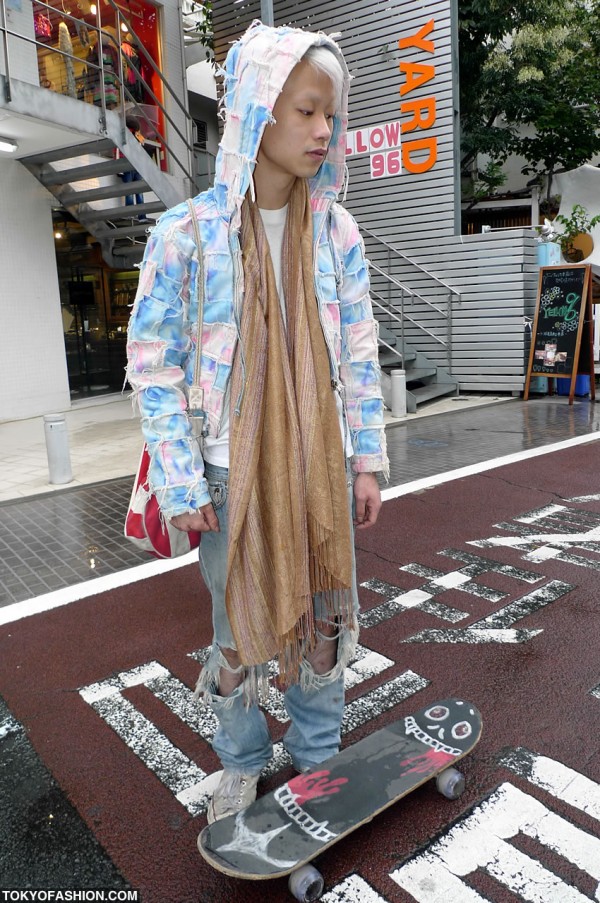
point(322, 58)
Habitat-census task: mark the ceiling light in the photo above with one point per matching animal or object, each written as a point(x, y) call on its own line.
point(8, 146)
point(93, 9)
point(58, 235)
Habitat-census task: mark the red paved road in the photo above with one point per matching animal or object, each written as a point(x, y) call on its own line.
point(533, 694)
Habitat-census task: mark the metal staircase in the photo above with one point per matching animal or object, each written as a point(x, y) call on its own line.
point(116, 226)
point(393, 306)
point(86, 176)
point(424, 381)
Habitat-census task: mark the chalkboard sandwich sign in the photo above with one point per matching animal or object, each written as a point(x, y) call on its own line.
point(562, 333)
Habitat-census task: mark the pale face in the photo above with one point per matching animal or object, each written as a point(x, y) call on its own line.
point(296, 145)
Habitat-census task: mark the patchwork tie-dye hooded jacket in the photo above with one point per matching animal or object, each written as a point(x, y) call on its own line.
point(162, 336)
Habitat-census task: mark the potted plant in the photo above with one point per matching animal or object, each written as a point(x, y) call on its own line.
point(575, 241)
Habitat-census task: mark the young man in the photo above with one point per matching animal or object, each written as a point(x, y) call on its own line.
point(294, 416)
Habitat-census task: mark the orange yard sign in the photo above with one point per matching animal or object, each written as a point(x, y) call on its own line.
point(422, 110)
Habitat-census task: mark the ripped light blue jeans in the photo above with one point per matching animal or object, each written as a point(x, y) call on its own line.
point(315, 705)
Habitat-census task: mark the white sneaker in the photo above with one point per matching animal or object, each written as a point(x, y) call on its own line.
point(234, 793)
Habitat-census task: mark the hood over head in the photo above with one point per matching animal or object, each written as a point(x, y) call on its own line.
point(256, 69)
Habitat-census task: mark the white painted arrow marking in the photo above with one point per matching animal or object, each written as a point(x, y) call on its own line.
point(519, 542)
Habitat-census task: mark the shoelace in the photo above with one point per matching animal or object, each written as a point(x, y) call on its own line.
point(233, 788)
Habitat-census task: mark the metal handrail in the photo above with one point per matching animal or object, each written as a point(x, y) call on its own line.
point(403, 314)
point(409, 260)
point(391, 306)
point(124, 92)
point(405, 288)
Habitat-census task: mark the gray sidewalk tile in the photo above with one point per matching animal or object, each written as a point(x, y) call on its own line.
point(74, 535)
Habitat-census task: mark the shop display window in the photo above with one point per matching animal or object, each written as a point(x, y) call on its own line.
point(89, 52)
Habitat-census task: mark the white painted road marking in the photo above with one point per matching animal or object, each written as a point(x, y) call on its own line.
point(567, 785)
point(516, 542)
point(395, 492)
point(187, 781)
point(473, 636)
point(497, 627)
point(353, 889)
point(478, 565)
point(69, 594)
point(399, 602)
point(480, 841)
point(459, 580)
point(8, 725)
point(579, 528)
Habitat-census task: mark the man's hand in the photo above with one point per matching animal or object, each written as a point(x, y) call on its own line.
point(367, 499)
point(203, 521)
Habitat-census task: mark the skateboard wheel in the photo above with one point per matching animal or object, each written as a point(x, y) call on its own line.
point(450, 783)
point(306, 884)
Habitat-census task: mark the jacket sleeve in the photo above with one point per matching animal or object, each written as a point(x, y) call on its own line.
point(160, 343)
point(360, 372)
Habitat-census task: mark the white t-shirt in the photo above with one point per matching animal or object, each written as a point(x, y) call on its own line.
point(216, 450)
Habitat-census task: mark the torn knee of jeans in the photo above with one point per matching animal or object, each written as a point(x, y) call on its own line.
point(208, 681)
point(253, 686)
point(337, 629)
point(346, 638)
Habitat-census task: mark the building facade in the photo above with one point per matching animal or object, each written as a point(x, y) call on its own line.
point(95, 140)
point(69, 240)
point(458, 302)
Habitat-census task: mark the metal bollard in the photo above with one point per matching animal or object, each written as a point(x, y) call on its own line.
point(57, 448)
point(398, 393)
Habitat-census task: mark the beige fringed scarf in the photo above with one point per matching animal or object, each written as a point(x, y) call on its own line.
point(289, 527)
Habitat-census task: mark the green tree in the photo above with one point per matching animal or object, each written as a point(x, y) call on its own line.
point(530, 82)
point(197, 18)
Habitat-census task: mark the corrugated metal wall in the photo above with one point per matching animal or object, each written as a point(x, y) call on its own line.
point(496, 276)
point(399, 208)
point(418, 213)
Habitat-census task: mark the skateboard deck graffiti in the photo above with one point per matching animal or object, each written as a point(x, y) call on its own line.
point(290, 826)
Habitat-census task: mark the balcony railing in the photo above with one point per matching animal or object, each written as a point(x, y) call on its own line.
point(94, 65)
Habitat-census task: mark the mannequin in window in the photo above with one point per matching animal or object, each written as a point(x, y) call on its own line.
point(132, 68)
point(66, 45)
point(110, 63)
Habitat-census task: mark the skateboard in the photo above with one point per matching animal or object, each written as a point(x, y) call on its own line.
point(282, 832)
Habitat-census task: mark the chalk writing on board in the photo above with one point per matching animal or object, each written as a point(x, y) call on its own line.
point(558, 321)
